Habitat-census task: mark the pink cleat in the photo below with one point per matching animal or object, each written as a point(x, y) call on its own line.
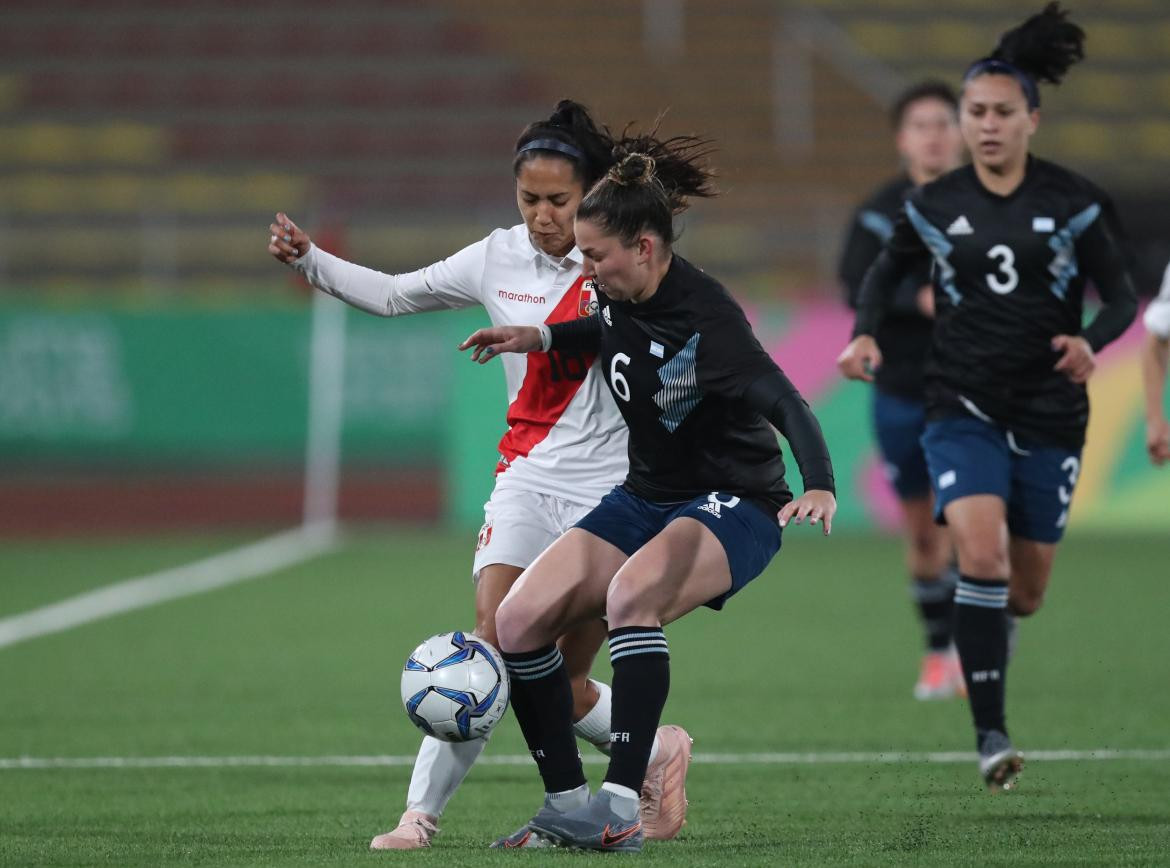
point(941, 677)
point(664, 795)
point(414, 832)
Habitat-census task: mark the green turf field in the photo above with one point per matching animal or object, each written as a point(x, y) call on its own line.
point(818, 656)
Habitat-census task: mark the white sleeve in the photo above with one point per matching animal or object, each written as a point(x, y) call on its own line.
point(1157, 318)
point(453, 282)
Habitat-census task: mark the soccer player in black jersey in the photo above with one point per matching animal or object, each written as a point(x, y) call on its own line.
point(926, 126)
point(701, 511)
point(1013, 240)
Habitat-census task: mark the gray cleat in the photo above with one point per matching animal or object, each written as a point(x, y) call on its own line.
point(999, 762)
point(554, 807)
point(609, 823)
point(522, 838)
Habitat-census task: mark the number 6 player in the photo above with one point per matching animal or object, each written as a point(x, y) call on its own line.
point(565, 445)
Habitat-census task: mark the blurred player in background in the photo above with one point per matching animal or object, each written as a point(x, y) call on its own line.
point(926, 133)
point(1155, 352)
point(565, 446)
point(1013, 239)
point(698, 517)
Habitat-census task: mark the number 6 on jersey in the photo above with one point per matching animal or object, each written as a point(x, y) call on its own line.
point(621, 387)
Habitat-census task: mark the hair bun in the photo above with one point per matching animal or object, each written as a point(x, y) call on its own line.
point(633, 169)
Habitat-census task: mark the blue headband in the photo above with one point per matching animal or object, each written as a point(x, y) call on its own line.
point(553, 145)
point(993, 66)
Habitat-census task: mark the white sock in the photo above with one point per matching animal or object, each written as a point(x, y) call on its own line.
point(569, 800)
point(619, 790)
point(439, 769)
point(594, 726)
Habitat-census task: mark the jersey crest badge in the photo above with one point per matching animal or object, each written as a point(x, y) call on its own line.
point(587, 303)
point(485, 537)
point(605, 316)
point(961, 226)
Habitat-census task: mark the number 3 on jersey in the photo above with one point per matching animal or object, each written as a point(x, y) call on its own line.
point(621, 386)
point(1005, 259)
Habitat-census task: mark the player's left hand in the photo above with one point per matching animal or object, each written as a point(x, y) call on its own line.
point(1158, 440)
point(490, 342)
point(1077, 359)
point(815, 505)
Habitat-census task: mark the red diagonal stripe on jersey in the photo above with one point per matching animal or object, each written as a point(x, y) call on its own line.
point(541, 400)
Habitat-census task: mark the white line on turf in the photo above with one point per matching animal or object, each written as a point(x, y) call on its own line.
point(157, 762)
point(257, 559)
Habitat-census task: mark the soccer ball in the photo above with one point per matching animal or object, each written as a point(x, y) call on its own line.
point(455, 687)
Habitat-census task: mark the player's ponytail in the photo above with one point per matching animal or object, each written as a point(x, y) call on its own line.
point(571, 133)
point(1042, 49)
point(650, 182)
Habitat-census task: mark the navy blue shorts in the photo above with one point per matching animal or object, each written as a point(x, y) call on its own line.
point(749, 535)
point(899, 424)
point(969, 456)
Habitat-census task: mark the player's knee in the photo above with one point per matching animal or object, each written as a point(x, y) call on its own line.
point(1025, 603)
point(628, 601)
point(922, 543)
point(985, 562)
point(511, 625)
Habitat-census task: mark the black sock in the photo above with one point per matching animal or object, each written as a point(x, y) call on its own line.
point(981, 636)
point(936, 608)
point(542, 699)
point(641, 681)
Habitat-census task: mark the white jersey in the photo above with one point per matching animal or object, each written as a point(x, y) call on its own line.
point(1157, 318)
point(565, 435)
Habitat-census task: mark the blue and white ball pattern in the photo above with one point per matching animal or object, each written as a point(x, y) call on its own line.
point(455, 687)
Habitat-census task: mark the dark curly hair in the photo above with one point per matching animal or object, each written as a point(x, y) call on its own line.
point(650, 182)
point(1042, 49)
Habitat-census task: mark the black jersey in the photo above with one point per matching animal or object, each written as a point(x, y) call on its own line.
point(1009, 275)
point(904, 335)
point(697, 392)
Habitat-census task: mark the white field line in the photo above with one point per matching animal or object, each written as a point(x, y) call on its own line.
point(158, 762)
point(237, 565)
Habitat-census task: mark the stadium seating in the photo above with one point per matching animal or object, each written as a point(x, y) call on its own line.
point(157, 131)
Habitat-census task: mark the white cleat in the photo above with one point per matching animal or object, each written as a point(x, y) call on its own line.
point(414, 832)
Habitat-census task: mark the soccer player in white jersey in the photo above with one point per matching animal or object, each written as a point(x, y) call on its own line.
point(565, 445)
point(1155, 353)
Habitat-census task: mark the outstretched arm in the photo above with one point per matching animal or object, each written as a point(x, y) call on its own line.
point(581, 335)
point(451, 283)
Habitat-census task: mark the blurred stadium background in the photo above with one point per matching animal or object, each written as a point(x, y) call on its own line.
point(155, 362)
point(169, 395)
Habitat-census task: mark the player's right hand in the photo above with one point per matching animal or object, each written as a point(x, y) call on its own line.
point(502, 339)
point(1158, 440)
point(289, 242)
point(860, 359)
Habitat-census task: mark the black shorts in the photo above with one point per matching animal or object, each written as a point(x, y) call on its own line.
point(749, 535)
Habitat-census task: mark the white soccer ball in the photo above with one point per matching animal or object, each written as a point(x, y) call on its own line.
point(455, 687)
